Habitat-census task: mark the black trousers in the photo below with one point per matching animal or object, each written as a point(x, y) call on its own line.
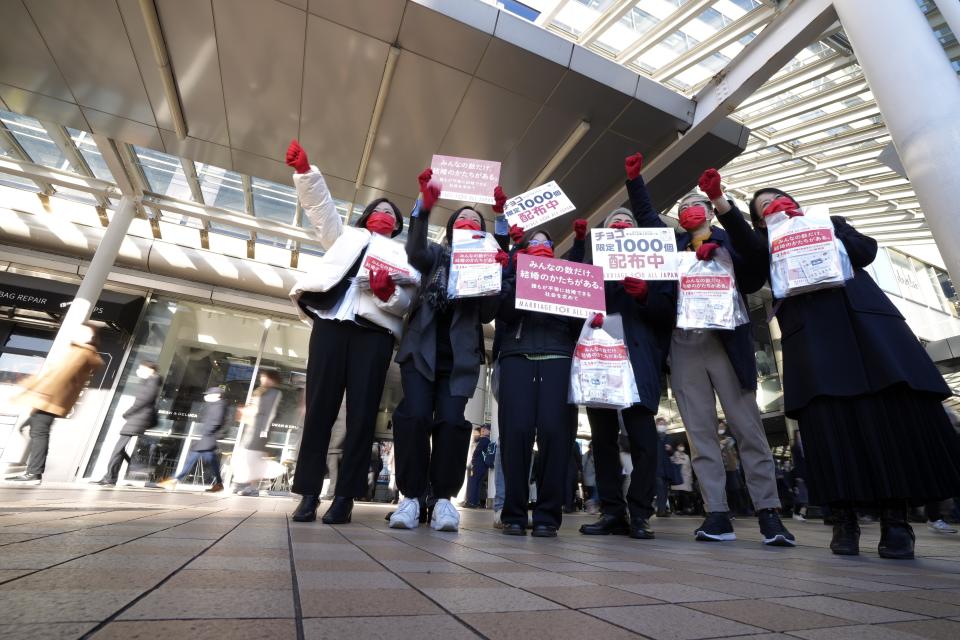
point(344, 357)
point(533, 404)
point(119, 455)
point(40, 423)
point(642, 432)
point(429, 414)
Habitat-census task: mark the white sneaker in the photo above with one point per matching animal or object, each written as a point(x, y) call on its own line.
point(941, 527)
point(445, 516)
point(798, 517)
point(407, 514)
point(497, 523)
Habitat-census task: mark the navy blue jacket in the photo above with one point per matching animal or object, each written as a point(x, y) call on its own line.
point(738, 343)
point(846, 341)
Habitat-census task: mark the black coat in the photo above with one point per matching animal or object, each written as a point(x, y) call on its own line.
point(419, 342)
point(257, 432)
point(846, 341)
point(211, 423)
point(142, 415)
point(738, 343)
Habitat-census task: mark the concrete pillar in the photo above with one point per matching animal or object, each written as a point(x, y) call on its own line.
point(92, 285)
point(918, 94)
point(950, 10)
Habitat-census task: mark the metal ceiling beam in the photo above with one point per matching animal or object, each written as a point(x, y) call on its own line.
point(196, 192)
point(607, 19)
point(155, 33)
point(41, 174)
point(13, 147)
point(61, 137)
point(663, 29)
point(247, 183)
point(545, 18)
point(811, 102)
point(826, 122)
point(799, 77)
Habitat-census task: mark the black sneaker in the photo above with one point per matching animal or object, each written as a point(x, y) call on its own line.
point(774, 533)
point(26, 479)
point(716, 528)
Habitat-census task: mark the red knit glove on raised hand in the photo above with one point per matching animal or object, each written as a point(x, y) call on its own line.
point(430, 195)
point(633, 164)
point(297, 158)
point(424, 178)
point(709, 183)
point(597, 321)
point(503, 258)
point(580, 229)
point(706, 250)
point(784, 204)
point(382, 285)
point(499, 199)
point(635, 288)
point(516, 234)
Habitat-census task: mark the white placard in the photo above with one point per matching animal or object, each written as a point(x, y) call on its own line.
point(646, 253)
point(537, 206)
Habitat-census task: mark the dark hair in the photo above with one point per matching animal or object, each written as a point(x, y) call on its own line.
point(397, 229)
point(453, 218)
point(757, 216)
point(528, 236)
point(149, 364)
point(271, 374)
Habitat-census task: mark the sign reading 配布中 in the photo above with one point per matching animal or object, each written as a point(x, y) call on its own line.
point(539, 205)
point(646, 253)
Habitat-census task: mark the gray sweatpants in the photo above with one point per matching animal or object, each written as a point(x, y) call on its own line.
point(700, 367)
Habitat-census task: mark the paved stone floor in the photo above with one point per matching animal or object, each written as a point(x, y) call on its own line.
point(133, 563)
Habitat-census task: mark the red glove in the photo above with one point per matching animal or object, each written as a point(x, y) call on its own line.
point(382, 285)
point(709, 183)
point(499, 199)
point(580, 229)
point(297, 158)
point(430, 195)
point(503, 258)
point(784, 204)
point(516, 234)
point(633, 165)
point(424, 178)
point(597, 321)
point(635, 288)
point(706, 250)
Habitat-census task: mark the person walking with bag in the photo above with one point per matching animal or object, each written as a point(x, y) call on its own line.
point(864, 391)
point(648, 310)
point(141, 415)
point(351, 341)
point(250, 459)
point(205, 448)
point(52, 393)
point(440, 357)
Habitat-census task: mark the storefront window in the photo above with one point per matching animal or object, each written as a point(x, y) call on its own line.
point(882, 271)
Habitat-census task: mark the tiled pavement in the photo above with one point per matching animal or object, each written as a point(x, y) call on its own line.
point(131, 563)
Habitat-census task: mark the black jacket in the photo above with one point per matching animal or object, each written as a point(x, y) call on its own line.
point(211, 423)
point(257, 432)
point(419, 342)
point(846, 341)
point(142, 415)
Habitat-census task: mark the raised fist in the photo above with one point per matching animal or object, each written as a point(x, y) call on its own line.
point(297, 158)
point(516, 234)
point(709, 183)
point(424, 178)
point(580, 229)
point(499, 199)
point(431, 193)
point(633, 164)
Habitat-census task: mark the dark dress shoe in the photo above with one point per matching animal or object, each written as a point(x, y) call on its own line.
point(339, 512)
point(896, 536)
point(640, 529)
point(544, 531)
point(605, 526)
point(513, 529)
point(846, 533)
point(106, 482)
point(307, 509)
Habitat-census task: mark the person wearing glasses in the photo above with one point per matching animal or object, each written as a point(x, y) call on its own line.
point(648, 310)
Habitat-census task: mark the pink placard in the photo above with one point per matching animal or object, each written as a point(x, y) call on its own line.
point(560, 287)
point(465, 179)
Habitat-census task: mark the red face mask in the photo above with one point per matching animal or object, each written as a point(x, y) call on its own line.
point(382, 223)
point(540, 251)
point(693, 217)
point(621, 224)
point(780, 204)
point(466, 223)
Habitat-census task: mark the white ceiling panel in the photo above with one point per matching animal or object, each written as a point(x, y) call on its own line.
point(377, 18)
point(25, 61)
point(510, 67)
point(435, 36)
point(123, 129)
point(43, 107)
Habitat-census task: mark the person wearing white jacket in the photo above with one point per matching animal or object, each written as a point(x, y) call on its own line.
point(354, 330)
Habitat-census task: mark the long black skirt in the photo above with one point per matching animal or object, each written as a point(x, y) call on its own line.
point(896, 445)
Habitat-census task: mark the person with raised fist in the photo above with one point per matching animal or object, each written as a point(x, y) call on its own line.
point(648, 310)
point(439, 357)
point(352, 339)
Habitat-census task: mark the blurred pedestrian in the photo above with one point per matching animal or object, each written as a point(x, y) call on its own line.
point(205, 448)
point(250, 461)
point(478, 468)
point(592, 501)
point(141, 415)
point(684, 489)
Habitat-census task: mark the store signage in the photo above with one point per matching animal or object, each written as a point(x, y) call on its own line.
point(537, 206)
point(465, 179)
point(559, 286)
point(646, 253)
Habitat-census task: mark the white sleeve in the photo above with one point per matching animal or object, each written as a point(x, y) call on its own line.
point(319, 206)
point(399, 303)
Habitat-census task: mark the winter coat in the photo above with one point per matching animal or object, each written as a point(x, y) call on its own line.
point(263, 409)
point(419, 343)
point(343, 246)
point(846, 341)
point(212, 419)
point(737, 343)
point(142, 414)
point(56, 390)
point(682, 460)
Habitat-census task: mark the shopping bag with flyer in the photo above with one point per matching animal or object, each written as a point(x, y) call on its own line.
point(386, 254)
point(601, 375)
point(709, 299)
point(805, 254)
point(474, 270)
